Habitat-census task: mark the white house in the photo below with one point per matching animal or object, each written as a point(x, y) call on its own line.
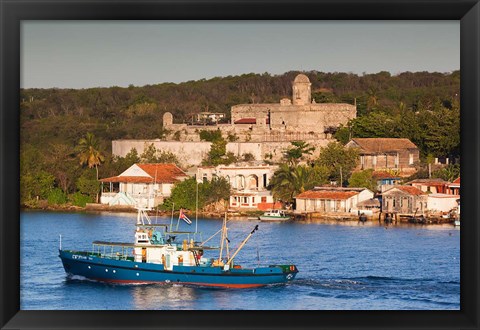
point(331, 199)
point(143, 185)
point(249, 183)
point(259, 200)
point(441, 203)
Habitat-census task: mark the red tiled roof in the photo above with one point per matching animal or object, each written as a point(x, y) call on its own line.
point(161, 173)
point(407, 189)
point(249, 121)
point(129, 179)
point(435, 181)
point(165, 173)
point(457, 180)
point(375, 145)
point(326, 194)
point(383, 175)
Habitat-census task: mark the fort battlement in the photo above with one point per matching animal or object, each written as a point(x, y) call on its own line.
point(264, 130)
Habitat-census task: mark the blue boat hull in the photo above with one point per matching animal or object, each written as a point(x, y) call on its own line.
point(127, 271)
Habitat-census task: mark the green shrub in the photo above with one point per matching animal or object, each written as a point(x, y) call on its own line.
point(57, 197)
point(210, 136)
point(79, 199)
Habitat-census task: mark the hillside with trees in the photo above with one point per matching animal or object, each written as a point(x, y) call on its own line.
point(58, 125)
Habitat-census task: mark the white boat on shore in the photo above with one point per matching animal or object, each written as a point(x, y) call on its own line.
point(274, 215)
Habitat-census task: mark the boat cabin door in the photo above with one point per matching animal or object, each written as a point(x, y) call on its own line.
point(169, 257)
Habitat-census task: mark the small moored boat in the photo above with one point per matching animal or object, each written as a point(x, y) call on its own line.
point(274, 215)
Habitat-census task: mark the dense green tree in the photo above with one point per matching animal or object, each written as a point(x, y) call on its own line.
point(215, 190)
point(210, 136)
point(375, 124)
point(421, 106)
point(61, 159)
point(88, 185)
point(343, 134)
point(152, 155)
point(37, 185)
point(297, 151)
point(184, 194)
point(363, 179)
point(289, 181)
point(218, 154)
point(339, 160)
point(448, 173)
point(57, 197)
point(117, 165)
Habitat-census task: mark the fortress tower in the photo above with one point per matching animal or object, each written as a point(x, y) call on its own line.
point(302, 91)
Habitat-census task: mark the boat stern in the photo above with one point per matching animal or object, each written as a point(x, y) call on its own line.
point(290, 271)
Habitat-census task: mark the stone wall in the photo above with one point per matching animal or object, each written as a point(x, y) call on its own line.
point(188, 153)
point(301, 118)
point(192, 153)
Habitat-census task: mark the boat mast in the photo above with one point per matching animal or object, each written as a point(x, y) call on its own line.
point(196, 210)
point(242, 245)
point(171, 218)
point(224, 230)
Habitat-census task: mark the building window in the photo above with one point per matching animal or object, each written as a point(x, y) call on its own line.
point(410, 159)
point(362, 161)
point(374, 160)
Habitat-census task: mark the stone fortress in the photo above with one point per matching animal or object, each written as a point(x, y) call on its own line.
point(263, 130)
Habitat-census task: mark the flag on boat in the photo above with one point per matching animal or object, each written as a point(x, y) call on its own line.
point(184, 217)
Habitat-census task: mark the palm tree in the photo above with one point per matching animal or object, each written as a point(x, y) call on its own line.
point(289, 181)
point(282, 183)
point(89, 153)
point(372, 100)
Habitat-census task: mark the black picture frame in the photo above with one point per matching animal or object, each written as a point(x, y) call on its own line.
point(13, 11)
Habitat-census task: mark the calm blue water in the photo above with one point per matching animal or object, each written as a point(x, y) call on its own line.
point(342, 266)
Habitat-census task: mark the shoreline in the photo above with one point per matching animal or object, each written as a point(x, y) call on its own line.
point(237, 215)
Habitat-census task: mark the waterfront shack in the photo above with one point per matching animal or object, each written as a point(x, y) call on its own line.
point(386, 180)
point(439, 204)
point(454, 187)
point(385, 154)
point(404, 200)
point(434, 185)
point(331, 199)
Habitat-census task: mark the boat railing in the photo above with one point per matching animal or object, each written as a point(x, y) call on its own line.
point(112, 250)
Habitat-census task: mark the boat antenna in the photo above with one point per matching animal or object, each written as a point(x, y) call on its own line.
point(242, 245)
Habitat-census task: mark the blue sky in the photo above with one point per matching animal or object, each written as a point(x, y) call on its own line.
point(82, 54)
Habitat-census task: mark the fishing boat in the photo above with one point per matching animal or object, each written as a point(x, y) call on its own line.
point(274, 215)
point(159, 255)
